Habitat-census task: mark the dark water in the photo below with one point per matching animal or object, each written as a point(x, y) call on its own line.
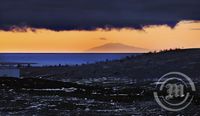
point(60, 58)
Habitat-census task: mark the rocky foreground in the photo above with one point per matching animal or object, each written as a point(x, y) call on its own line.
point(45, 97)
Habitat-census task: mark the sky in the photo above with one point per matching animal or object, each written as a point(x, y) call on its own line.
point(79, 25)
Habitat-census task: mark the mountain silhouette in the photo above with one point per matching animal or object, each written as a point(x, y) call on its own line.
point(116, 47)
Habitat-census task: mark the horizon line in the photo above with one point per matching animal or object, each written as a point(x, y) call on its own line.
point(92, 52)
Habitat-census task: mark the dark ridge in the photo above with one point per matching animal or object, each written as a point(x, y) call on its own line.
point(147, 65)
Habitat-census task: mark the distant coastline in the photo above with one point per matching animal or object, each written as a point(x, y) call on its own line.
point(44, 59)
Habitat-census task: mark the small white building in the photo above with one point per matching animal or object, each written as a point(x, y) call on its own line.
point(9, 72)
point(11, 69)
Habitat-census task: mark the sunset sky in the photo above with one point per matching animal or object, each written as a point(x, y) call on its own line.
point(184, 35)
point(74, 26)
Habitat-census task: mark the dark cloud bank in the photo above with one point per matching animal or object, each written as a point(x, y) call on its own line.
point(91, 14)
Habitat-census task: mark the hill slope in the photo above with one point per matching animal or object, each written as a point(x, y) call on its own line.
point(149, 65)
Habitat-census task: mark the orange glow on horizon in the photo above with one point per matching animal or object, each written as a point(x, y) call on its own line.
point(185, 35)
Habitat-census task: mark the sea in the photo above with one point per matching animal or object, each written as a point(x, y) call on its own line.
point(52, 59)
